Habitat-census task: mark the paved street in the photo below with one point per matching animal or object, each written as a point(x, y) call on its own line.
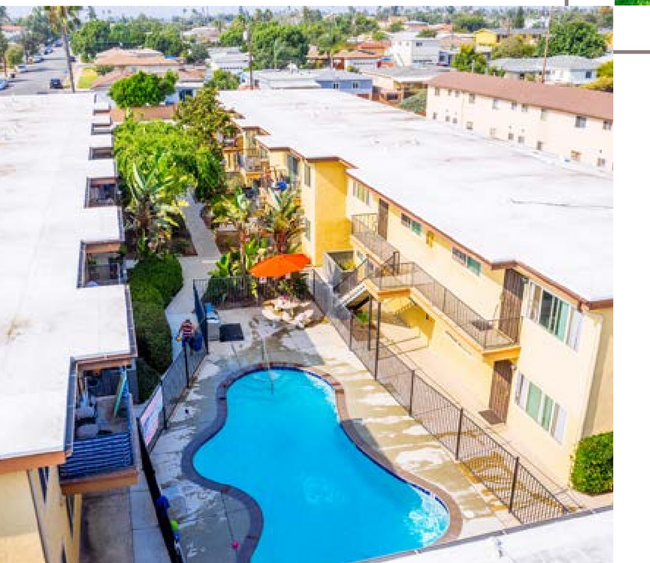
point(37, 79)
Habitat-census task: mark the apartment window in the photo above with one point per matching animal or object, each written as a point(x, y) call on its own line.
point(601, 162)
point(575, 156)
point(540, 407)
point(355, 85)
point(513, 105)
point(307, 229)
point(69, 502)
point(581, 122)
point(449, 92)
point(429, 238)
point(43, 477)
point(335, 85)
point(540, 146)
point(521, 139)
point(447, 118)
point(292, 166)
point(543, 114)
point(435, 115)
point(607, 125)
point(457, 93)
point(307, 174)
point(454, 120)
point(495, 104)
point(467, 261)
point(493, 131)
point(418, 43)
point(554, 314)
point(469, 125)
point(524, 108)
point(511, 136)
point(472, 98)
point(436, 92)
point(361, 192)
point(589, 74)
point(411, 224)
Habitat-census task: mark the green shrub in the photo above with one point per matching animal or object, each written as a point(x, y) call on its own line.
point(148, 378)
point(152, 334)
point(593, 464)
point(164, 273)
point(141, 290)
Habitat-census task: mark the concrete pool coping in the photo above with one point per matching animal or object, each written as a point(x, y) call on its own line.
point(246, 549)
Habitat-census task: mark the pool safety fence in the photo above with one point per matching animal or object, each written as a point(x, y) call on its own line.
point(160, 406)
point(172, 540)
point(501, 471)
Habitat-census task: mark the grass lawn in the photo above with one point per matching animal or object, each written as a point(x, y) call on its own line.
point(88, 76)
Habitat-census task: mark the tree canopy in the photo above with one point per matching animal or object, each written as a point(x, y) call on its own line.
point(605, 80)
point(222, 80)
point(142, 89)
point(514, 47)
point(416, 103)
point(91, 39)
point(575, 37)
point(469, 60)
point(468, 22)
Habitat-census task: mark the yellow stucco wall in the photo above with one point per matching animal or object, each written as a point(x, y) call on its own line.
point(53, 517)
point(599, 416)
point(20, 539)
point(485, 37)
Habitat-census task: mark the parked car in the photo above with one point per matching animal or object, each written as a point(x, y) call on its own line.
point(73, 59)
point(48, 50)
point(58, 43)
point(22, 68)
point(4, 84)
point(38, 58)
point(56, 84)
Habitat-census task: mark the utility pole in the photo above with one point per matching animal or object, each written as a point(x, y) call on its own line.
point(248, 38)
point(548, 34)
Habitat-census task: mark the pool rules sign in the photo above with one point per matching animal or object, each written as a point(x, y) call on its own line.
point(150, 419)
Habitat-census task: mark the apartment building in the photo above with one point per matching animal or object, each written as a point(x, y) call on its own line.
point(561, 69)
point(498, 261)
point(66, 325)
point(407, 48)
point(573, 124)
point(492, 37)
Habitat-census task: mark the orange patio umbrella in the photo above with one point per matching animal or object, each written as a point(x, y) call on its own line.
point(280, 265)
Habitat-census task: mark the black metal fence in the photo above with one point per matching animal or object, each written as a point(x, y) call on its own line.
point(490, 462)
point(160, 406)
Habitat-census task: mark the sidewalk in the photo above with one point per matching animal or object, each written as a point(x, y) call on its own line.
point(194, 267)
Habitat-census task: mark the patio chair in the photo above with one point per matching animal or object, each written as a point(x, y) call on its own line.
point(270, 315)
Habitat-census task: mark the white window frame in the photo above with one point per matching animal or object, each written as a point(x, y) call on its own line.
point(580, 122)
point(306, 172)
point(411, 224)
point(558, 415)
point(360, 192)
point(466, 260)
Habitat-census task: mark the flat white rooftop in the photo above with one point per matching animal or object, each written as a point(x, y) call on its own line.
point(45, 320)
point(501, 202)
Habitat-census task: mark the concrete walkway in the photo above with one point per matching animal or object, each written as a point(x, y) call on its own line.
point(194, 267)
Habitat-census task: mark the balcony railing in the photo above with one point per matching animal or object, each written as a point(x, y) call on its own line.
point(394, 274)
point(112, 449)
point(250, 160)
point(104, 274)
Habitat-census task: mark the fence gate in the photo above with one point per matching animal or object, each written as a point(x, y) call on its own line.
point(500, 391)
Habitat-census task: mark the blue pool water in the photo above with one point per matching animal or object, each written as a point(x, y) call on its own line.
point(323, 500)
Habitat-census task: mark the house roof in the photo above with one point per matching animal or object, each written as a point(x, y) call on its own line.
point(515, 31)
point(184, 76)
point(46, 321)
point(134, 57)
point(355, 54)
point(560, 98)
point(535, 64)
point(412, 73)
point(501, 202)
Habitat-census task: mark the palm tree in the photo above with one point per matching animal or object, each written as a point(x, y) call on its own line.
point(63, 19)
point(283, 222)
point(236, 210)
point(152, 206)
point(329, 43)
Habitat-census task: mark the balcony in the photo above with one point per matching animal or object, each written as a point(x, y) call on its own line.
point(104, 269)
point(105, 452)
point(250, 160)
point(385, 273)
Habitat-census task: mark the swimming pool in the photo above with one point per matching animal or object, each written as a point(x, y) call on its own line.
point(322, 499)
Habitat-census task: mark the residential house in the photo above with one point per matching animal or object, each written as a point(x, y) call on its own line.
point(230, 59)
point(394, 84)
point(415, 25)
point(491, 37)
point(495, 265)
point(561, 69)
point(357, 59)
point(341, 80)
point(134, 60)
point(204, 34)
point(13, 33)
point(407, 49)
point(574, 124)
point(67, 328)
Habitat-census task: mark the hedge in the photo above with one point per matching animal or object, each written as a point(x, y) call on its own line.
point(164, 273)
point(141, 290)
point(148, 378)
point(153, 334)
point(593, 464)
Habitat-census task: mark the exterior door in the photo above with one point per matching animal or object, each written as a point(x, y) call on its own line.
point(382, 219)
point(511, 298)
point(500, 392)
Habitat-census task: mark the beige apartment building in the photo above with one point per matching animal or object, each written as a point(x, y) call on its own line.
point(500, 260)
point(66, 326)
point(573, 124)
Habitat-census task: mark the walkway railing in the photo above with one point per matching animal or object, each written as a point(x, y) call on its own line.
point(497, 468)
point(485, 332)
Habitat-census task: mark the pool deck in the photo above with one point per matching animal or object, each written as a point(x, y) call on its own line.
point(210, 520)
